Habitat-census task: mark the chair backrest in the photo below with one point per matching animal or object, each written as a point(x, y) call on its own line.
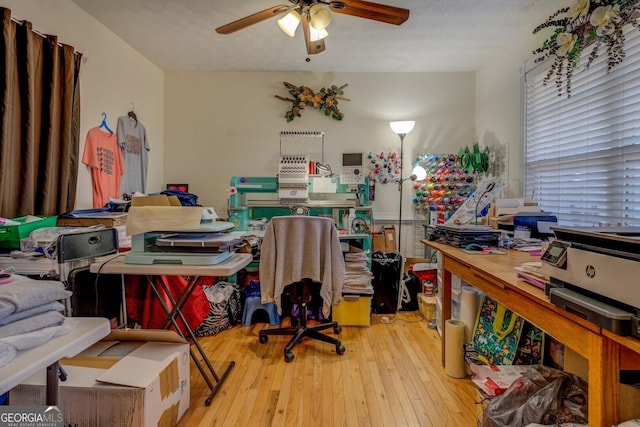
point(301, 247)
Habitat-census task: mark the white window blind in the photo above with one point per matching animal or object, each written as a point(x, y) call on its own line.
point(582, 154)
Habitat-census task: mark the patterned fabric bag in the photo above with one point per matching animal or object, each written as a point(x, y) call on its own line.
point(496, 334)
point(225, 308)
point(531, 346)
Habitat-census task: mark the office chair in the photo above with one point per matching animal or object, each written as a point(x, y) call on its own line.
point(300, 252)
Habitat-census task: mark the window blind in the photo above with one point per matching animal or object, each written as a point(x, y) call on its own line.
point(582, 153)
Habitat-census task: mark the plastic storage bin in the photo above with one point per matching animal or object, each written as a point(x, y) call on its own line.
point(353, 310)
point(10, 235)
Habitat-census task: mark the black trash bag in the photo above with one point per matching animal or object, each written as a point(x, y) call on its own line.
point(542, 395)
point(385, 267)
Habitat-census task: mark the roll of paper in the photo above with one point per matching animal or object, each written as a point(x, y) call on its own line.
point(469, 301)
point(454, 364)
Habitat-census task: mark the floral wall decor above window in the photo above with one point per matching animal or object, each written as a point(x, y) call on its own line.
point(584, 23)
point(325, 100)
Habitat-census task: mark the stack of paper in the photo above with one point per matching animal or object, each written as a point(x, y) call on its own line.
point(357, 278)
point(531, 272)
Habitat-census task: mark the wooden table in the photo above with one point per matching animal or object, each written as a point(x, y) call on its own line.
point(114, 264)
point(495, 276)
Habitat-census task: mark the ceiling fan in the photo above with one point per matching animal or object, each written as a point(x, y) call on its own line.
point(314, 17)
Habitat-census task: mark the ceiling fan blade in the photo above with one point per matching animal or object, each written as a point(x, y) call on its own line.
point(253, 19)
point(313, 47)
point(369, 10)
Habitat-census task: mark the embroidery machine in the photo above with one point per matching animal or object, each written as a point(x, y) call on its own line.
point(255, 198)
point(593, 272)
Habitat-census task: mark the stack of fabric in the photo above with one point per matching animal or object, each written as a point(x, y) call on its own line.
point(30, 314)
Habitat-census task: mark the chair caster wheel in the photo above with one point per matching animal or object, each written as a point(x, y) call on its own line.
point(288, 356)
point(337, 330)
point(263, 338)
point(340, 348)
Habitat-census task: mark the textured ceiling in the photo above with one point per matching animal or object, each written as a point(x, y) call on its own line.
point(440, 35)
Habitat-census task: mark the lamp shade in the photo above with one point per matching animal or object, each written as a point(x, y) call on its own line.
point(289, 23)
point(403, 127)
point(315, 35)
point(320, 17)
point(419, 173)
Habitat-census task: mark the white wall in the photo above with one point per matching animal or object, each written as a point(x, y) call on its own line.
point(217, 125)
point(225, 124)
point(112, 77)
point(498, 103)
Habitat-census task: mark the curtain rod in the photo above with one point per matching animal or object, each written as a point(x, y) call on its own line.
point(19, 22)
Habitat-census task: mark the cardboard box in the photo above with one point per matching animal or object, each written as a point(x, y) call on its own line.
point(385, 241)
point(156, 200)
point(629, 396)
point(130, 378)
point(113, 220)
point(156, 218)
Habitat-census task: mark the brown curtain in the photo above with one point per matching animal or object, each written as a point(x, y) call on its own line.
point(39, 121)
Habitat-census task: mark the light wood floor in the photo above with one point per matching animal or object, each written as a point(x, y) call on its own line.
point(390, 375)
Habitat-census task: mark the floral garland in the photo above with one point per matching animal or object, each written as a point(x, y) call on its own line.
point(325, 100)
point(584, 23)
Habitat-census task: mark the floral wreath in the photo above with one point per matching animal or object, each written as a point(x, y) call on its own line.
point(325, 100)
point(584, 23)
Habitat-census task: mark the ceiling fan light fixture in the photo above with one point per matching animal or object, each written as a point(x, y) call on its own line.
point(315, 35)
point(320, 18)
point(289, 23)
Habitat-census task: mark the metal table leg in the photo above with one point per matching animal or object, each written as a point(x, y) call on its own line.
point(176, 310)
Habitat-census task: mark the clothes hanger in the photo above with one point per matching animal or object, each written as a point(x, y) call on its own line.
point(132, 114)
point(104, 124)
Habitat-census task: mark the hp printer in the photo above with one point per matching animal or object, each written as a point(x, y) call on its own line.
point(594, 274)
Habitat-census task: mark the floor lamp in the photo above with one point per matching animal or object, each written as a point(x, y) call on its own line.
point(401, 129)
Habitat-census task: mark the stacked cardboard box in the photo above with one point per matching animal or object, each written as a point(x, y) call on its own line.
point(385, 241)
point(130, 378)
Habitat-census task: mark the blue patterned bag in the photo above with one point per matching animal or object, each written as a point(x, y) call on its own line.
point(496, 334)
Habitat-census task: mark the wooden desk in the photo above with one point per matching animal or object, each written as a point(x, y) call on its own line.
point(114, 264)
point(87, 331)
point(495, 276)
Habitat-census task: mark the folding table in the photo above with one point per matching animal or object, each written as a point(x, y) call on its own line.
point(86, 332)
point(115, 264)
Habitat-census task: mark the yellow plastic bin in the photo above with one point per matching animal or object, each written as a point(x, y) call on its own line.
point(353, 310)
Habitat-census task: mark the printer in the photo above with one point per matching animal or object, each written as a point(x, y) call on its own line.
point(594, 274)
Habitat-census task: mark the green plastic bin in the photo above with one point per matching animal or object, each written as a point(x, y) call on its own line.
point(10, 235)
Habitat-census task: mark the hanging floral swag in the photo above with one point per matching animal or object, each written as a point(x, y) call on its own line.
point(325, 100)
point(584, 23)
